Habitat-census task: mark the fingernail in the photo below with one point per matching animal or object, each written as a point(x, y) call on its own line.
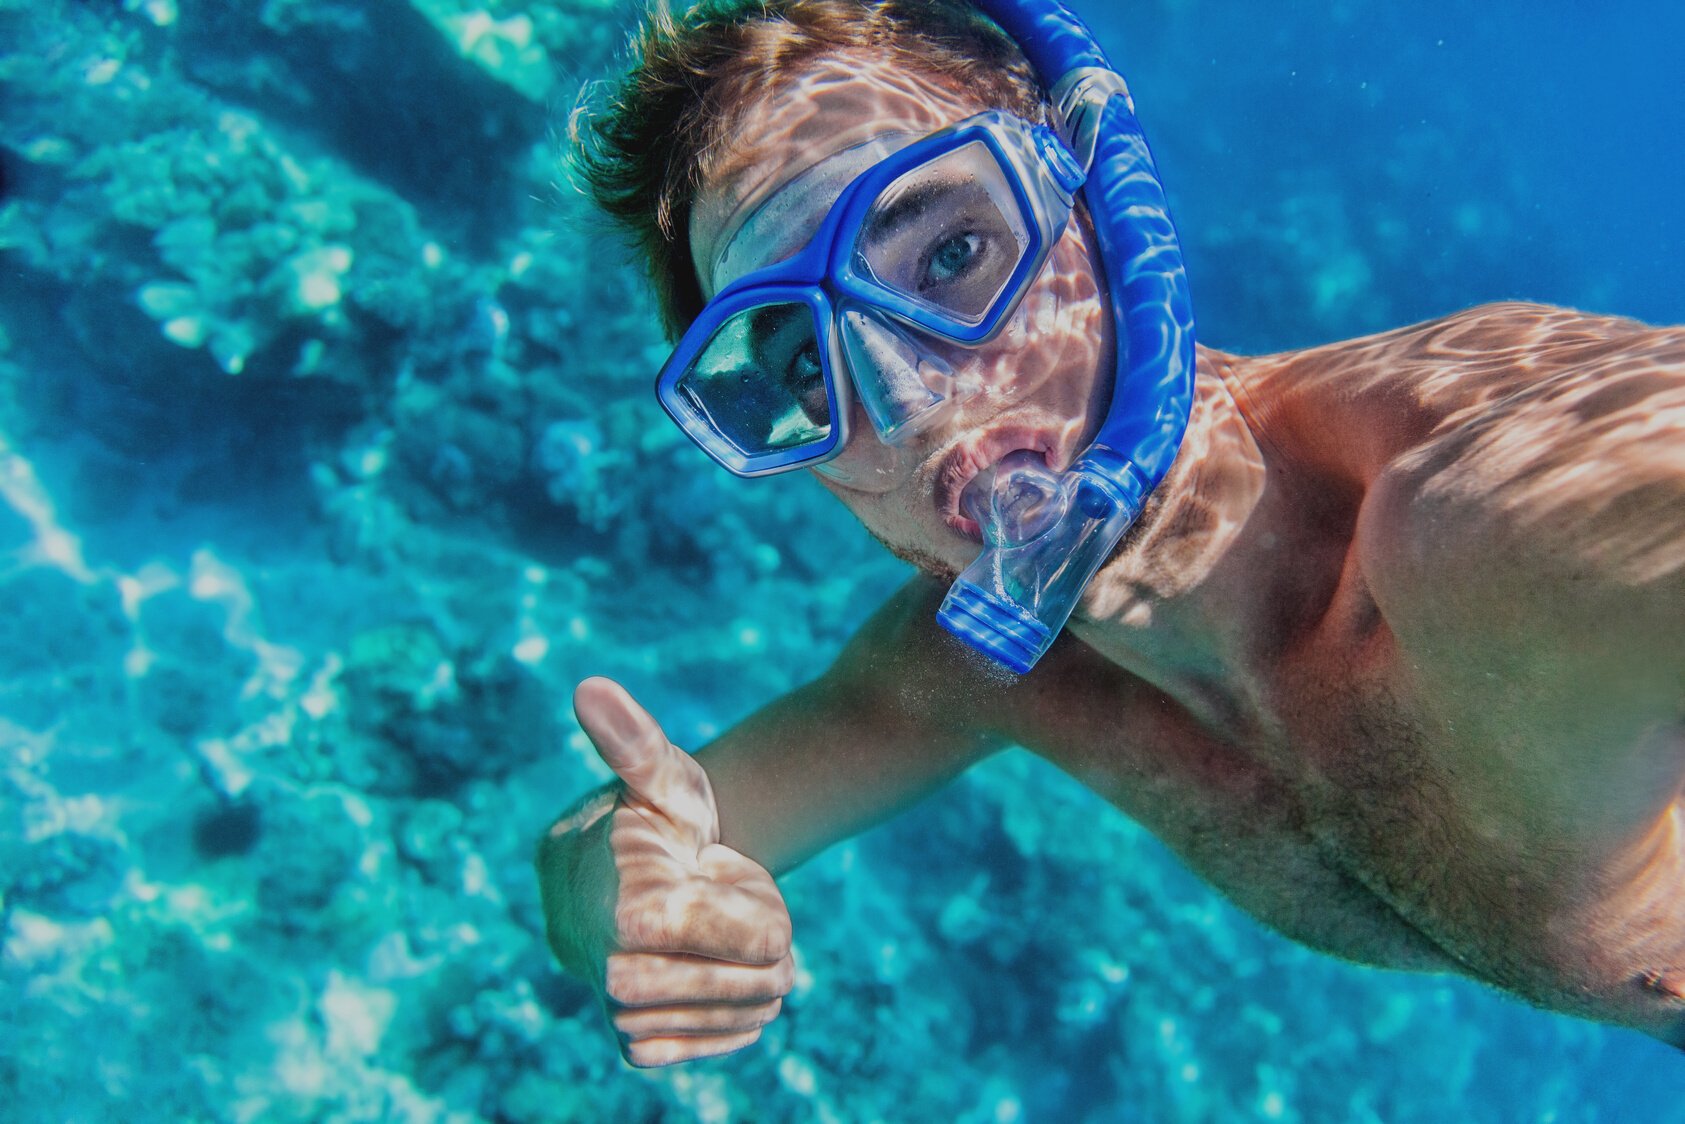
point(622, 723)
point(619, 714)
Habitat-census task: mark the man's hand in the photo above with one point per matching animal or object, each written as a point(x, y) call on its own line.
point(687, 941)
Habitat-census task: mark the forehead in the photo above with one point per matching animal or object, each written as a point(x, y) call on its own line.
point(837, 102)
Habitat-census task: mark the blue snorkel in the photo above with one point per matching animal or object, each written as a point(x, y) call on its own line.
point(1046, 536)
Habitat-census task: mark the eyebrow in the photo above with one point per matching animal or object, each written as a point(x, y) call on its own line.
point(908, 208)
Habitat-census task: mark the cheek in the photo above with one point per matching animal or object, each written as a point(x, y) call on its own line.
point(881, 513)
point(895, 520)
point(1054, 343)
point(867, 464)
point(1066, 312)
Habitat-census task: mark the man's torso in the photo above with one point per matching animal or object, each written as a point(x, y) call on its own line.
point(1328, 790)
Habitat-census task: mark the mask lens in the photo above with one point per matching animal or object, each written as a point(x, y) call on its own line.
point(947, 234)
point(760, 381)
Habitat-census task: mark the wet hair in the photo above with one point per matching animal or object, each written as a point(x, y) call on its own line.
point(640, 147)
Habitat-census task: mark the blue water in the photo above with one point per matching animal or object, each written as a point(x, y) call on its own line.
point(1370, 165)
point(329, 464)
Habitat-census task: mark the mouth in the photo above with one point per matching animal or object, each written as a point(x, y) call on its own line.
point(963, 462)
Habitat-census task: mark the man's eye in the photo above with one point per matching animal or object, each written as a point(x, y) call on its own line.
point(951, 258)
point(804, 366)
point(806, 381)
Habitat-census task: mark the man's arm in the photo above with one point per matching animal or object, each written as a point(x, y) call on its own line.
point(904, 710)
point(1539, 544)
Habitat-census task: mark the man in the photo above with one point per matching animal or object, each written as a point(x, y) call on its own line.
point(1394, 658)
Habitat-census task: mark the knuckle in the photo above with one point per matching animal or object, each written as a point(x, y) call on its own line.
point(761, 939)
point(777, 935)
point(622, 983)
point(636, 926)
point(785, 976)
point(765, 947)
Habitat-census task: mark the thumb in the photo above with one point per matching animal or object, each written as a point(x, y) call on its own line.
point(655, 771)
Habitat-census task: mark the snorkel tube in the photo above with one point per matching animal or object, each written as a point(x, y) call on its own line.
point(1047, 535)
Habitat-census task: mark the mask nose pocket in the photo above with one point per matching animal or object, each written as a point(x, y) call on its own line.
point(904, 391)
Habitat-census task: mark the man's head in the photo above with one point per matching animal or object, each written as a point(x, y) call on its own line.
point(647, 149)
point(737, 110)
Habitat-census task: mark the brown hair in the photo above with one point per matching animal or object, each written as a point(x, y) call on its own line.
point(640, 154)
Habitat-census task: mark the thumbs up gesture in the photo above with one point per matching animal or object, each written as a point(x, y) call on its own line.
point(687, 941)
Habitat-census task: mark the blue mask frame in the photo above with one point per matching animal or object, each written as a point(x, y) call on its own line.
point(1043, 176)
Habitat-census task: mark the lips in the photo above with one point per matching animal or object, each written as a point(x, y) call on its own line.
point(963, 462)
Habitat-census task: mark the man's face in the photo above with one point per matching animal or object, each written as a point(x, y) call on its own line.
point(1039, 379)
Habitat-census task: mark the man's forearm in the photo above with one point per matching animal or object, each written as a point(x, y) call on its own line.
point(897, 717)
point(820, 765)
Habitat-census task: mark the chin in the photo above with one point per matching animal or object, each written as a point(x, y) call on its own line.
point(924, 562)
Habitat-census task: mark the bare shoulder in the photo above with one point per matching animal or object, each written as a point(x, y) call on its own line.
point(1565, 477)
point(1357, 405)
point(1514, 359)
point(1528, 551)
point(1430, 372)
point(1507, 443)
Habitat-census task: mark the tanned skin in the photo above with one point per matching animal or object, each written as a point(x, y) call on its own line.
point(1395, 660)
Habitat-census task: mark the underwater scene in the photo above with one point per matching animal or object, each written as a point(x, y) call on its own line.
point(330, 463)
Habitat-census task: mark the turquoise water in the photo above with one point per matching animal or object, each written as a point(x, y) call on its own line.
point(330, 464)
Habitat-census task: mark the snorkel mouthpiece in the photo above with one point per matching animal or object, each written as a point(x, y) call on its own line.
point(1016, 499)
point(1047, 535)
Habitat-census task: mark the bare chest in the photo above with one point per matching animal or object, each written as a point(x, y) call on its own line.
point(1386, 781)
point(1283, 841)
point(1337, 820)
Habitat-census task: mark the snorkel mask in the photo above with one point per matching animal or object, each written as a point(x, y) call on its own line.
point(764, 380)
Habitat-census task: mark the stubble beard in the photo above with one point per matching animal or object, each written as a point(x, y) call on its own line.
point(922, 561)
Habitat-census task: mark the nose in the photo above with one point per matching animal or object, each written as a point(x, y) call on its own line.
point(905, 389)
